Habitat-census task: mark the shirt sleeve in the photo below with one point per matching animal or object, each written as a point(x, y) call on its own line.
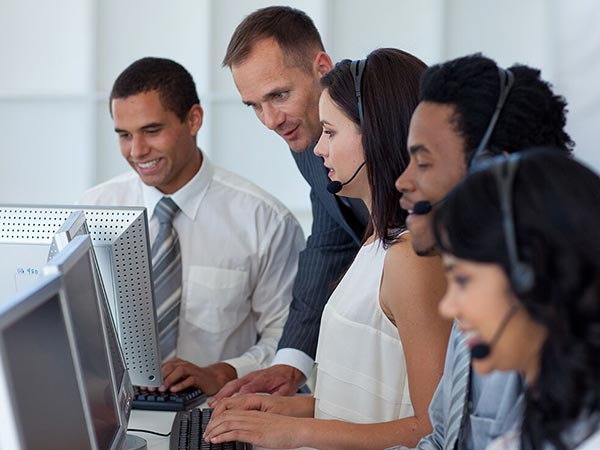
point(272, 293)
point(328, 253)
point(295, 358)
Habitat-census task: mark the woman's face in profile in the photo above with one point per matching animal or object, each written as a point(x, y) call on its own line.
point(479, 296)
point(340, 146)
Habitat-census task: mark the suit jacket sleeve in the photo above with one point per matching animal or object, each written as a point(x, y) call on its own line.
point(328, 253)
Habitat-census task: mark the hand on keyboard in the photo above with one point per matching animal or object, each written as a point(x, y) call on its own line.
point(167, 401)
point(180, 374)
point(287, 406)
point(279, 379)
point(188, 428)
point(257, 428)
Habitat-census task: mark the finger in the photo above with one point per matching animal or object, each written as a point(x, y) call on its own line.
point(226, 391)
point(179, 373)
point(215, 420)
point(190, 381)
point(285, 389)
point(167, 368)
point(220, 408)
point(257, 385)
point(238, 426)
point(237, 435)
point(228, 422)
point(240, 403)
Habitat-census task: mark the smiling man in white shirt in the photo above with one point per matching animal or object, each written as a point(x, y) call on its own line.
point(238, 246)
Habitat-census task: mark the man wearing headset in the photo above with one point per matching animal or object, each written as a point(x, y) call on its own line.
point(470, 106)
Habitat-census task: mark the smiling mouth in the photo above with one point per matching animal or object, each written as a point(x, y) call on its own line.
point(472, 338)
point(290, 132)
point(406, 207)
point(148, 164)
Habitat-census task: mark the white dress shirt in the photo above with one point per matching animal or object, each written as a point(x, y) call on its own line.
point(239, 250)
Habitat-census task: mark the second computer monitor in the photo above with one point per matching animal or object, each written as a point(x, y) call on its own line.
point(107, 386)
point(121, 243)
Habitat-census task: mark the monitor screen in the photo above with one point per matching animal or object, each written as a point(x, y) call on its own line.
point(76, 225)
point(92, 331)
point(121, 243)
point(42, 404)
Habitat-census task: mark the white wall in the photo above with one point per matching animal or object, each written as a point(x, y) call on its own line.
point(60, 58)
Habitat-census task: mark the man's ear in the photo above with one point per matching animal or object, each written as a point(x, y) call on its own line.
point(322, 63)
point(194, 118)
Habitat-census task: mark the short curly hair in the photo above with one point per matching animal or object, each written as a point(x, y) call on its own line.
point(532, 115)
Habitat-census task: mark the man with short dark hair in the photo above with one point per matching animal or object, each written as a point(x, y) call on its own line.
point(224, 252)
point(457, 102)
point(277, 58)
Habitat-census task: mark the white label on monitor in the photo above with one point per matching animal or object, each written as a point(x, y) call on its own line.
point(26, 277)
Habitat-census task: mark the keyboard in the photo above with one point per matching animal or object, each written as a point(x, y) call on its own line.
point(167, 401)
point(188, 428)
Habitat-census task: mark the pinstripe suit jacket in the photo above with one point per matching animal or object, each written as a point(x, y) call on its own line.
point(329, 251)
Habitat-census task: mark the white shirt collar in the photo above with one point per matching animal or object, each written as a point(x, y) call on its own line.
point(189, 197)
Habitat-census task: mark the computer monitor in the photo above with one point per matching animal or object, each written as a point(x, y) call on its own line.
point(42, 400)
point(106, 382)
point(120, 239)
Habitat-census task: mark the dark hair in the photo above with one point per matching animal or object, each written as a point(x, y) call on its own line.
point(556, 214)
point(175, 85)
point(532, 115)
point(389, 96)
point(292, 29)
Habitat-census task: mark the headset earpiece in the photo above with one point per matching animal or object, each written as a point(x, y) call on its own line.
point(523, 278)
point(357, 67)
point(522, 275)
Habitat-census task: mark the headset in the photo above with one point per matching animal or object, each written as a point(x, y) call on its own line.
point(522, 275)
point(482, 152)
point(357, 67)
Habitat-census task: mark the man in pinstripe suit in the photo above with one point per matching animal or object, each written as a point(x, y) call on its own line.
point(276, 57)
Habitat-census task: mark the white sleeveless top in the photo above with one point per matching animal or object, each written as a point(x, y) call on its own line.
point(361, 369)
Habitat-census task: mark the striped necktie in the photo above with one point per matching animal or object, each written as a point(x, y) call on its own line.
point(166, 270)
point(458, 393)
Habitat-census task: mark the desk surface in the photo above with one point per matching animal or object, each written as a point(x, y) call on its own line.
point(159, 421)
